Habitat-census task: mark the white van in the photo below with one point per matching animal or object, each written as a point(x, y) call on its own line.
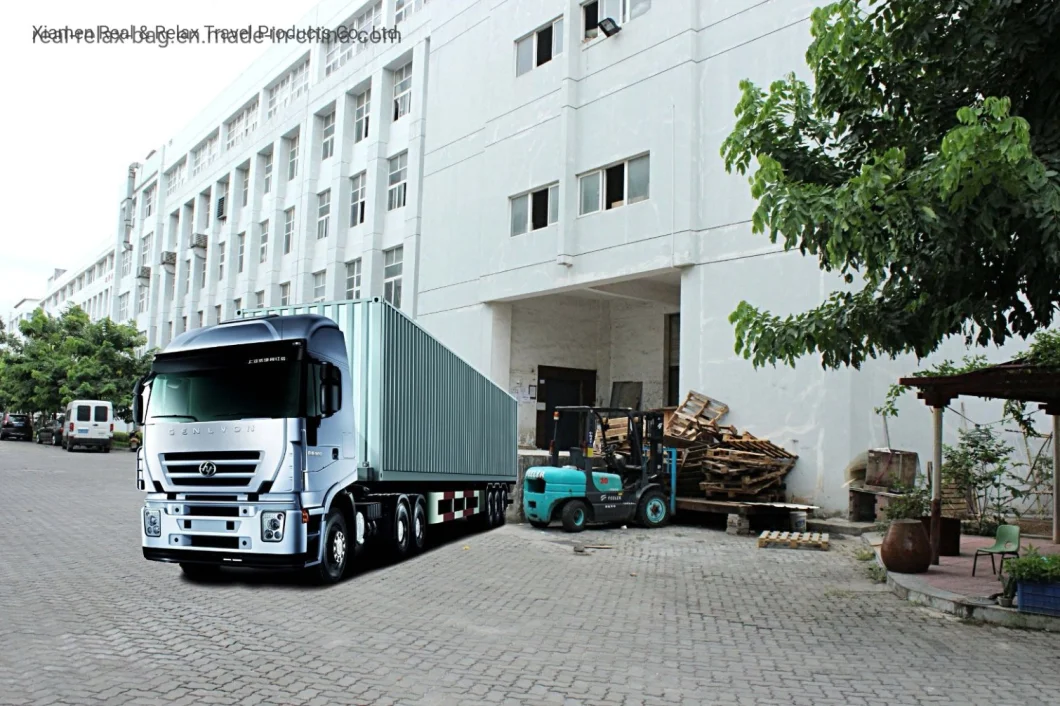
point(89, 424)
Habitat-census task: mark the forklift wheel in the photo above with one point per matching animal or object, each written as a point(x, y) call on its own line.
point(575, 515)
point(653, 511)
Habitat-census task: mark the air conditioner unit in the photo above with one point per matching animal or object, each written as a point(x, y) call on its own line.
point(198, 240)
point(221, 208)
point(126, 245)
point(169, 258)
point(143, 273)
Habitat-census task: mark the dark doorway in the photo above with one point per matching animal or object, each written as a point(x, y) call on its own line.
point(560, 387)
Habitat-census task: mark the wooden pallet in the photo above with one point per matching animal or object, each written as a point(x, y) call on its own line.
point(794, 540)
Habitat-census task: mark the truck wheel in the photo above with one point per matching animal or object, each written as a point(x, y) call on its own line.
point(575, 514)
point(653, 510)
point(335, 558)
point(400, 537)
point(419, 526)
point(200, 572)
point(502, 507)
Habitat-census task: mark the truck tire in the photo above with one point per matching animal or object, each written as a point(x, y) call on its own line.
point(502, 507)
point(200, 572)
point(336, 550)
point(419, 525)
point(400, 532)
point(575, 515)
point(652, 511)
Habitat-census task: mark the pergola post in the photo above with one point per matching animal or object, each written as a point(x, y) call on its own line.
point(1056, 477)
point(936, 487)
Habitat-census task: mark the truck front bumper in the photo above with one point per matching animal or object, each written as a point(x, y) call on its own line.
point(225, 533)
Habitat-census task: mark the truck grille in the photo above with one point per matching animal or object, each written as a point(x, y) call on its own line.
point(232, 468)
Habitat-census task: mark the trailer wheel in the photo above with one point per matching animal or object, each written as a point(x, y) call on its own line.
point(336, 552)
point(653, 510)
point(400, 530)
point(492, 515)
point(575, 515)
point(502, 507)
point(419, 525)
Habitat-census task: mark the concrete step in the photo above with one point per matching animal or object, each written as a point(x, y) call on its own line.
point(838, 525)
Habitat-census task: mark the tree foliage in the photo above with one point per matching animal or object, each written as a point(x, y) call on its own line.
point(922, 168)
point(56, 360)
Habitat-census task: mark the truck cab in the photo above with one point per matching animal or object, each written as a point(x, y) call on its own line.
point(242, 442)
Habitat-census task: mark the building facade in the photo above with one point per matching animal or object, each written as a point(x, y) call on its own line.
point(545, 197)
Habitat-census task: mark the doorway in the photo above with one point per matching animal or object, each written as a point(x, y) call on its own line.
point(558, 387)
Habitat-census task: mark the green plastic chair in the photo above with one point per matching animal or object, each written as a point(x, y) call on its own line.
point(1006, 542)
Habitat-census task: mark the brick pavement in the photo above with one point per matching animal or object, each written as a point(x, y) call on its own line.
point(675, 616)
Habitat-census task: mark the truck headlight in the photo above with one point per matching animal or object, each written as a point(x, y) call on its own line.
point(272, 526)
point(153, 523)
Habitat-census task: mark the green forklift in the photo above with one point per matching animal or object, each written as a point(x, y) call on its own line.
point(609, 488)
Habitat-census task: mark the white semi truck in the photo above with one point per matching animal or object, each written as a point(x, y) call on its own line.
point(291, 438)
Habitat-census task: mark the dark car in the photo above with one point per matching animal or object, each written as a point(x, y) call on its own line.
point(16, 426)
point(50, 432)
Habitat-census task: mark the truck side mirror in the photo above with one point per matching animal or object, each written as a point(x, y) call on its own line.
point(138, 403)
point(331, 389)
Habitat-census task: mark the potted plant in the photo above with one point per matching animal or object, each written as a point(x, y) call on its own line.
point(1037, 581)
point(1008, 588)
point(906, 548)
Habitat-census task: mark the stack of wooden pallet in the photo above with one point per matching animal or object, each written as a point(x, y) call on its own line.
point(720, 462)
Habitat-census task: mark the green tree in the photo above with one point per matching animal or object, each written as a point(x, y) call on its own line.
point(922, 168)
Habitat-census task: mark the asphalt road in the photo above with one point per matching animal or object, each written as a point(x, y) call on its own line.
point(681, 615)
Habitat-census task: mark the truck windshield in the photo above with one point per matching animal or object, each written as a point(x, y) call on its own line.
point(266, 390)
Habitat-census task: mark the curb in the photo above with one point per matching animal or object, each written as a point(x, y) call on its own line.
point(912, 588)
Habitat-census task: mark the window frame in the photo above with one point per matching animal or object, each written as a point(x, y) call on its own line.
point(220, 261)
point(601, 173)
point(323, 214)
point(360, 115)
point(288, 229)
point(263, 241)
point(403, 97)
point(267, 169)
point(292, 157)
point(241, 242)
point(392, 282)
point(399, 188)
point(320, 285)
point(556, 26)
point(353, 279)
point(327, 132)
point(285, 294)
point(552, 214)
point(358, 198)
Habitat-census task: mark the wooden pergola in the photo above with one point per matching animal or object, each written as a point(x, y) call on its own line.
point(1014, 380)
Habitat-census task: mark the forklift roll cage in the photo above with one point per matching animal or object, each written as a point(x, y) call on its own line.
point(651, 465)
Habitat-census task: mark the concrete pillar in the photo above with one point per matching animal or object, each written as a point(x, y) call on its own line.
point(936, 486)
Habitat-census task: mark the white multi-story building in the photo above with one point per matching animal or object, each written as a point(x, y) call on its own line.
point(546, 199)
point(22, 311)
point(90, 287)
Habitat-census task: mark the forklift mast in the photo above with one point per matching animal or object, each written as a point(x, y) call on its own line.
point(645, 429)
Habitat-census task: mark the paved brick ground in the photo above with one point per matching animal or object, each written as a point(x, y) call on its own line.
point(514, 616)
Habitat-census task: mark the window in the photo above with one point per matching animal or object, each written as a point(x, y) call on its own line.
point(327, 145)
point(263, 241)
point(288, 230)
point(267, 181)
point(221, 261)
point(339, 52)
point(403, 91)
point(395, 197)
point(319, 285)
point(292, 158)
point(611, 187)
point(244, 178)
point(145, 252)
point(539, 47)
point(149, 201)
point(323, 213)
point(240, 127)
point(187, 278)
point(404, 8)
point(392, 265)
point(285, 294)
point(241, 239)
point(126, 263)
point(293, 84)
point(204, 155)
point(200, 319)
point(360, 115)
point(176, 177)
point(366, 21)
point(123, 308)
point(184, 323)
point(259, 299)
point(100, 414)
point(357, 198)
point(237, 305)
point(353, 279)
point(141, 299)
point(618, 10)
point(535, 210)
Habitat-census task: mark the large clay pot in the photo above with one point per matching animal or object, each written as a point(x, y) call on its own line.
point(906, 548)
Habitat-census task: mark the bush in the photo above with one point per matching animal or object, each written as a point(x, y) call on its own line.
point(1035, 568)
point(911, 505)
point(121, 437)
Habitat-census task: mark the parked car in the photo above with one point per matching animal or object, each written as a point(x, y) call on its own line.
point(89, 424)
point(50, 432)
point(16, 426)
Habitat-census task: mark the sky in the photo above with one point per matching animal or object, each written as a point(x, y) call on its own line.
point(75, 116)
